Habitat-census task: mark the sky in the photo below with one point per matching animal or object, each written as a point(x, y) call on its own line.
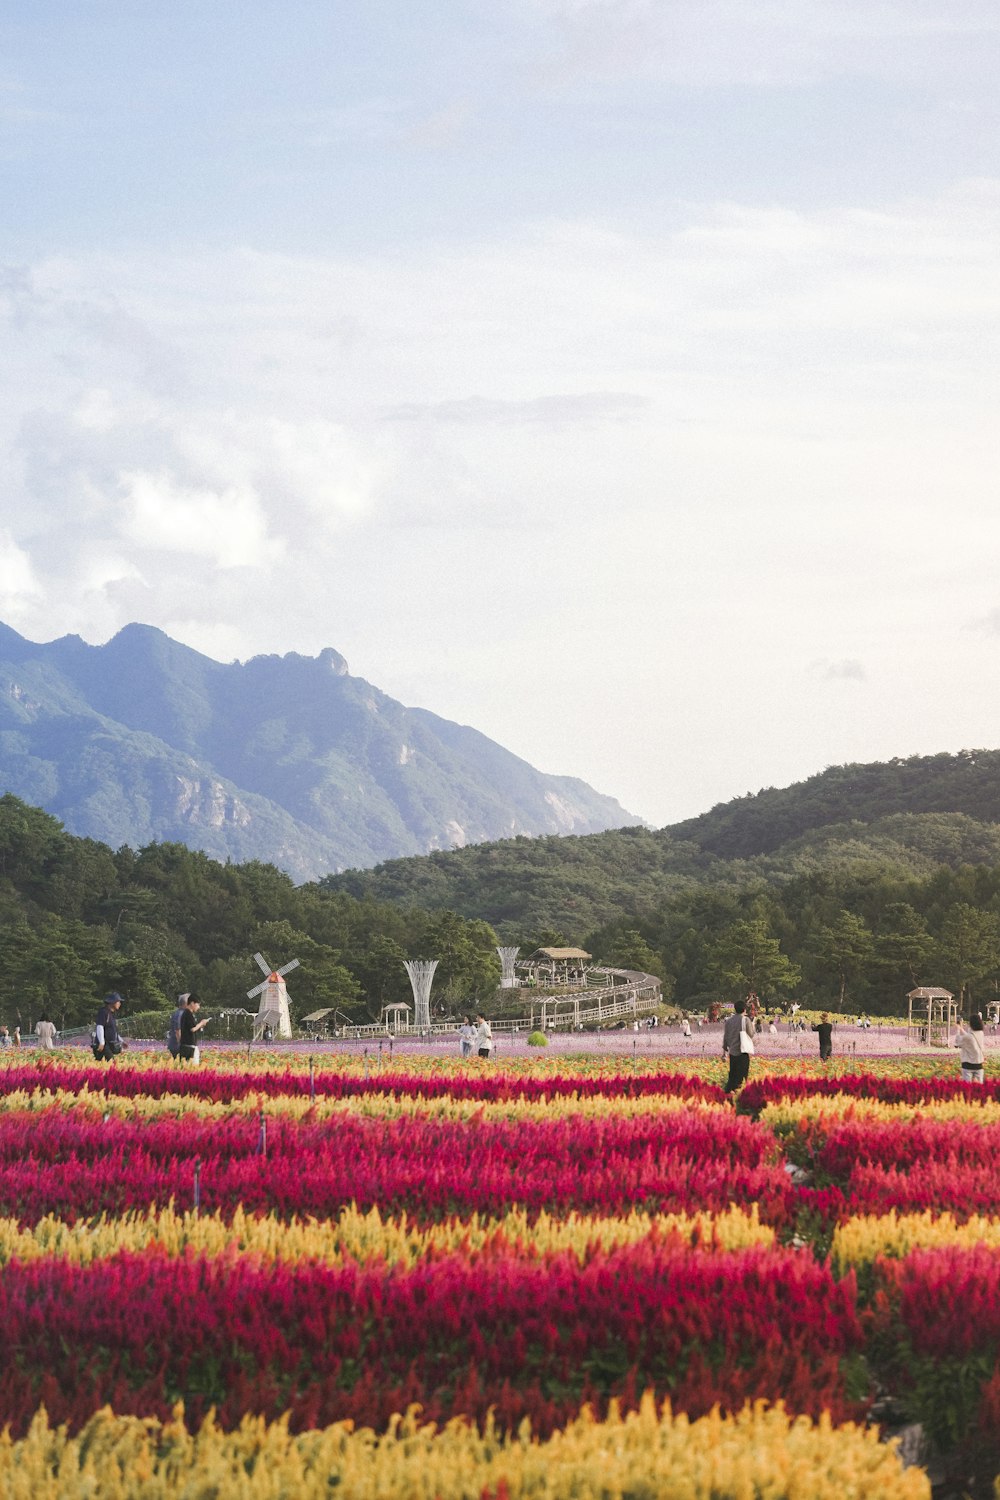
point(619, 377)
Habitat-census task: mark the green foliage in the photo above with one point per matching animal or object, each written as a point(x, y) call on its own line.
point(165, 919)
point(746, 956)
point(537, 1039)
point(850, 913)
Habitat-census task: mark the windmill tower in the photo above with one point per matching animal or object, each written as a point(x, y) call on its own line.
point(273, 1008)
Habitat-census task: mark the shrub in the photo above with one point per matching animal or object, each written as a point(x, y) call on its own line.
point(538, 1039)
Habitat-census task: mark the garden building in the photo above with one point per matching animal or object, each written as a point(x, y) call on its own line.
point(932, 1018)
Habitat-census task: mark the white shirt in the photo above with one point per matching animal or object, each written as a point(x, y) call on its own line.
point(970, 1047)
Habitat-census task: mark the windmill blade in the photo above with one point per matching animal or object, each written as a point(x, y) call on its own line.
point(288, 968)
point(257, 991)
point(262, 963)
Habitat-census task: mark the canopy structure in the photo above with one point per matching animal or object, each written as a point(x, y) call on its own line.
point(559, 965)
point(932, 1016)
point(317, 1015)
point(394, 1017)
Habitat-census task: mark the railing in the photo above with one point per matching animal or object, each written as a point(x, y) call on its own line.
point(628, 994)
point(634, 994)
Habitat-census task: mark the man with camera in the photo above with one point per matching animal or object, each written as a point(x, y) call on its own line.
point(189, 1029)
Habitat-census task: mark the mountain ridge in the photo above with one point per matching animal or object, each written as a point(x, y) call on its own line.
point(287, 758)
point(907, 816)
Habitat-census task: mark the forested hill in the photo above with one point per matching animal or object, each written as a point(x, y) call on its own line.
point(907, 817)
point(968, 783)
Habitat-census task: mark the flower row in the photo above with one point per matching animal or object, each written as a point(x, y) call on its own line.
point(363, 1237)
point(54, 1161)
point(643, 1453)
point(227, 1085)
point(526, 1337)
point(300, 1107)
point(882, 1085)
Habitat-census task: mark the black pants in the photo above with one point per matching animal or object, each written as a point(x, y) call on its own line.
point(739, 1071)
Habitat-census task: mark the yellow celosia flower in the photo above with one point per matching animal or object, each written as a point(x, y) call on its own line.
point(358, 1236)
point(858, 1241)
point(760, 1454)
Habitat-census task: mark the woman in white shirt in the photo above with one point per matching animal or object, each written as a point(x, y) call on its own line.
point(467, 1034)
point(46, 1033)
point(484, 1036)
point(971, 1049)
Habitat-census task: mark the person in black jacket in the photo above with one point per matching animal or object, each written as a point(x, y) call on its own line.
point(825, 1028)
point(107, 1042)
point(190, 1027)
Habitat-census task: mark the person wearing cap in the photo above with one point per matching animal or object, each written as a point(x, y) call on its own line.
point(107, 1042)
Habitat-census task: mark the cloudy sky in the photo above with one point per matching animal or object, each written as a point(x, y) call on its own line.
point(617, 376)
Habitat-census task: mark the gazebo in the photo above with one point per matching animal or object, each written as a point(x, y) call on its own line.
point(932, 1016)
point(396, 1017)
point(559, 965)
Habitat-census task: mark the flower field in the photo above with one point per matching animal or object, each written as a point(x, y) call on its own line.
point(463, 1280)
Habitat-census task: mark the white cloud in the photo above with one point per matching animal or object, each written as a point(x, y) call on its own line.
point(848, 670)
point(654, 468)
point(225, 526)
point(18, 583)
point(782, 43)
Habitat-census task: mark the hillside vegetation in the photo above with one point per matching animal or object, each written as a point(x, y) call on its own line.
point(850, 912)
point(906, 817)
point(77, 919)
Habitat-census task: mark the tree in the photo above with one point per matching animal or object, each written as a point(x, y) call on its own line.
point(845, 946)
point(746, 957)
point(379, 969)
point(903, 946)
point(969, 947)
point(628, 949)
point(468, 965)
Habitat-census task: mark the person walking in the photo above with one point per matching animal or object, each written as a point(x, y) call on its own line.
point(825, 1028)
point(189, 1029)
point(46, 1033)
point(467, 1035)
point(971, 1048)
point(737, 1045)
point(484, 1036)
point(174, 1028)
point(107, 1042)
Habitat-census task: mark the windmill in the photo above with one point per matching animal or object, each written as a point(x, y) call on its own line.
point(273, 1008)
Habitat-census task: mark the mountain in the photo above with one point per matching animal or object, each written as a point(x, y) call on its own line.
point(907, 817)
point(287, 759)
